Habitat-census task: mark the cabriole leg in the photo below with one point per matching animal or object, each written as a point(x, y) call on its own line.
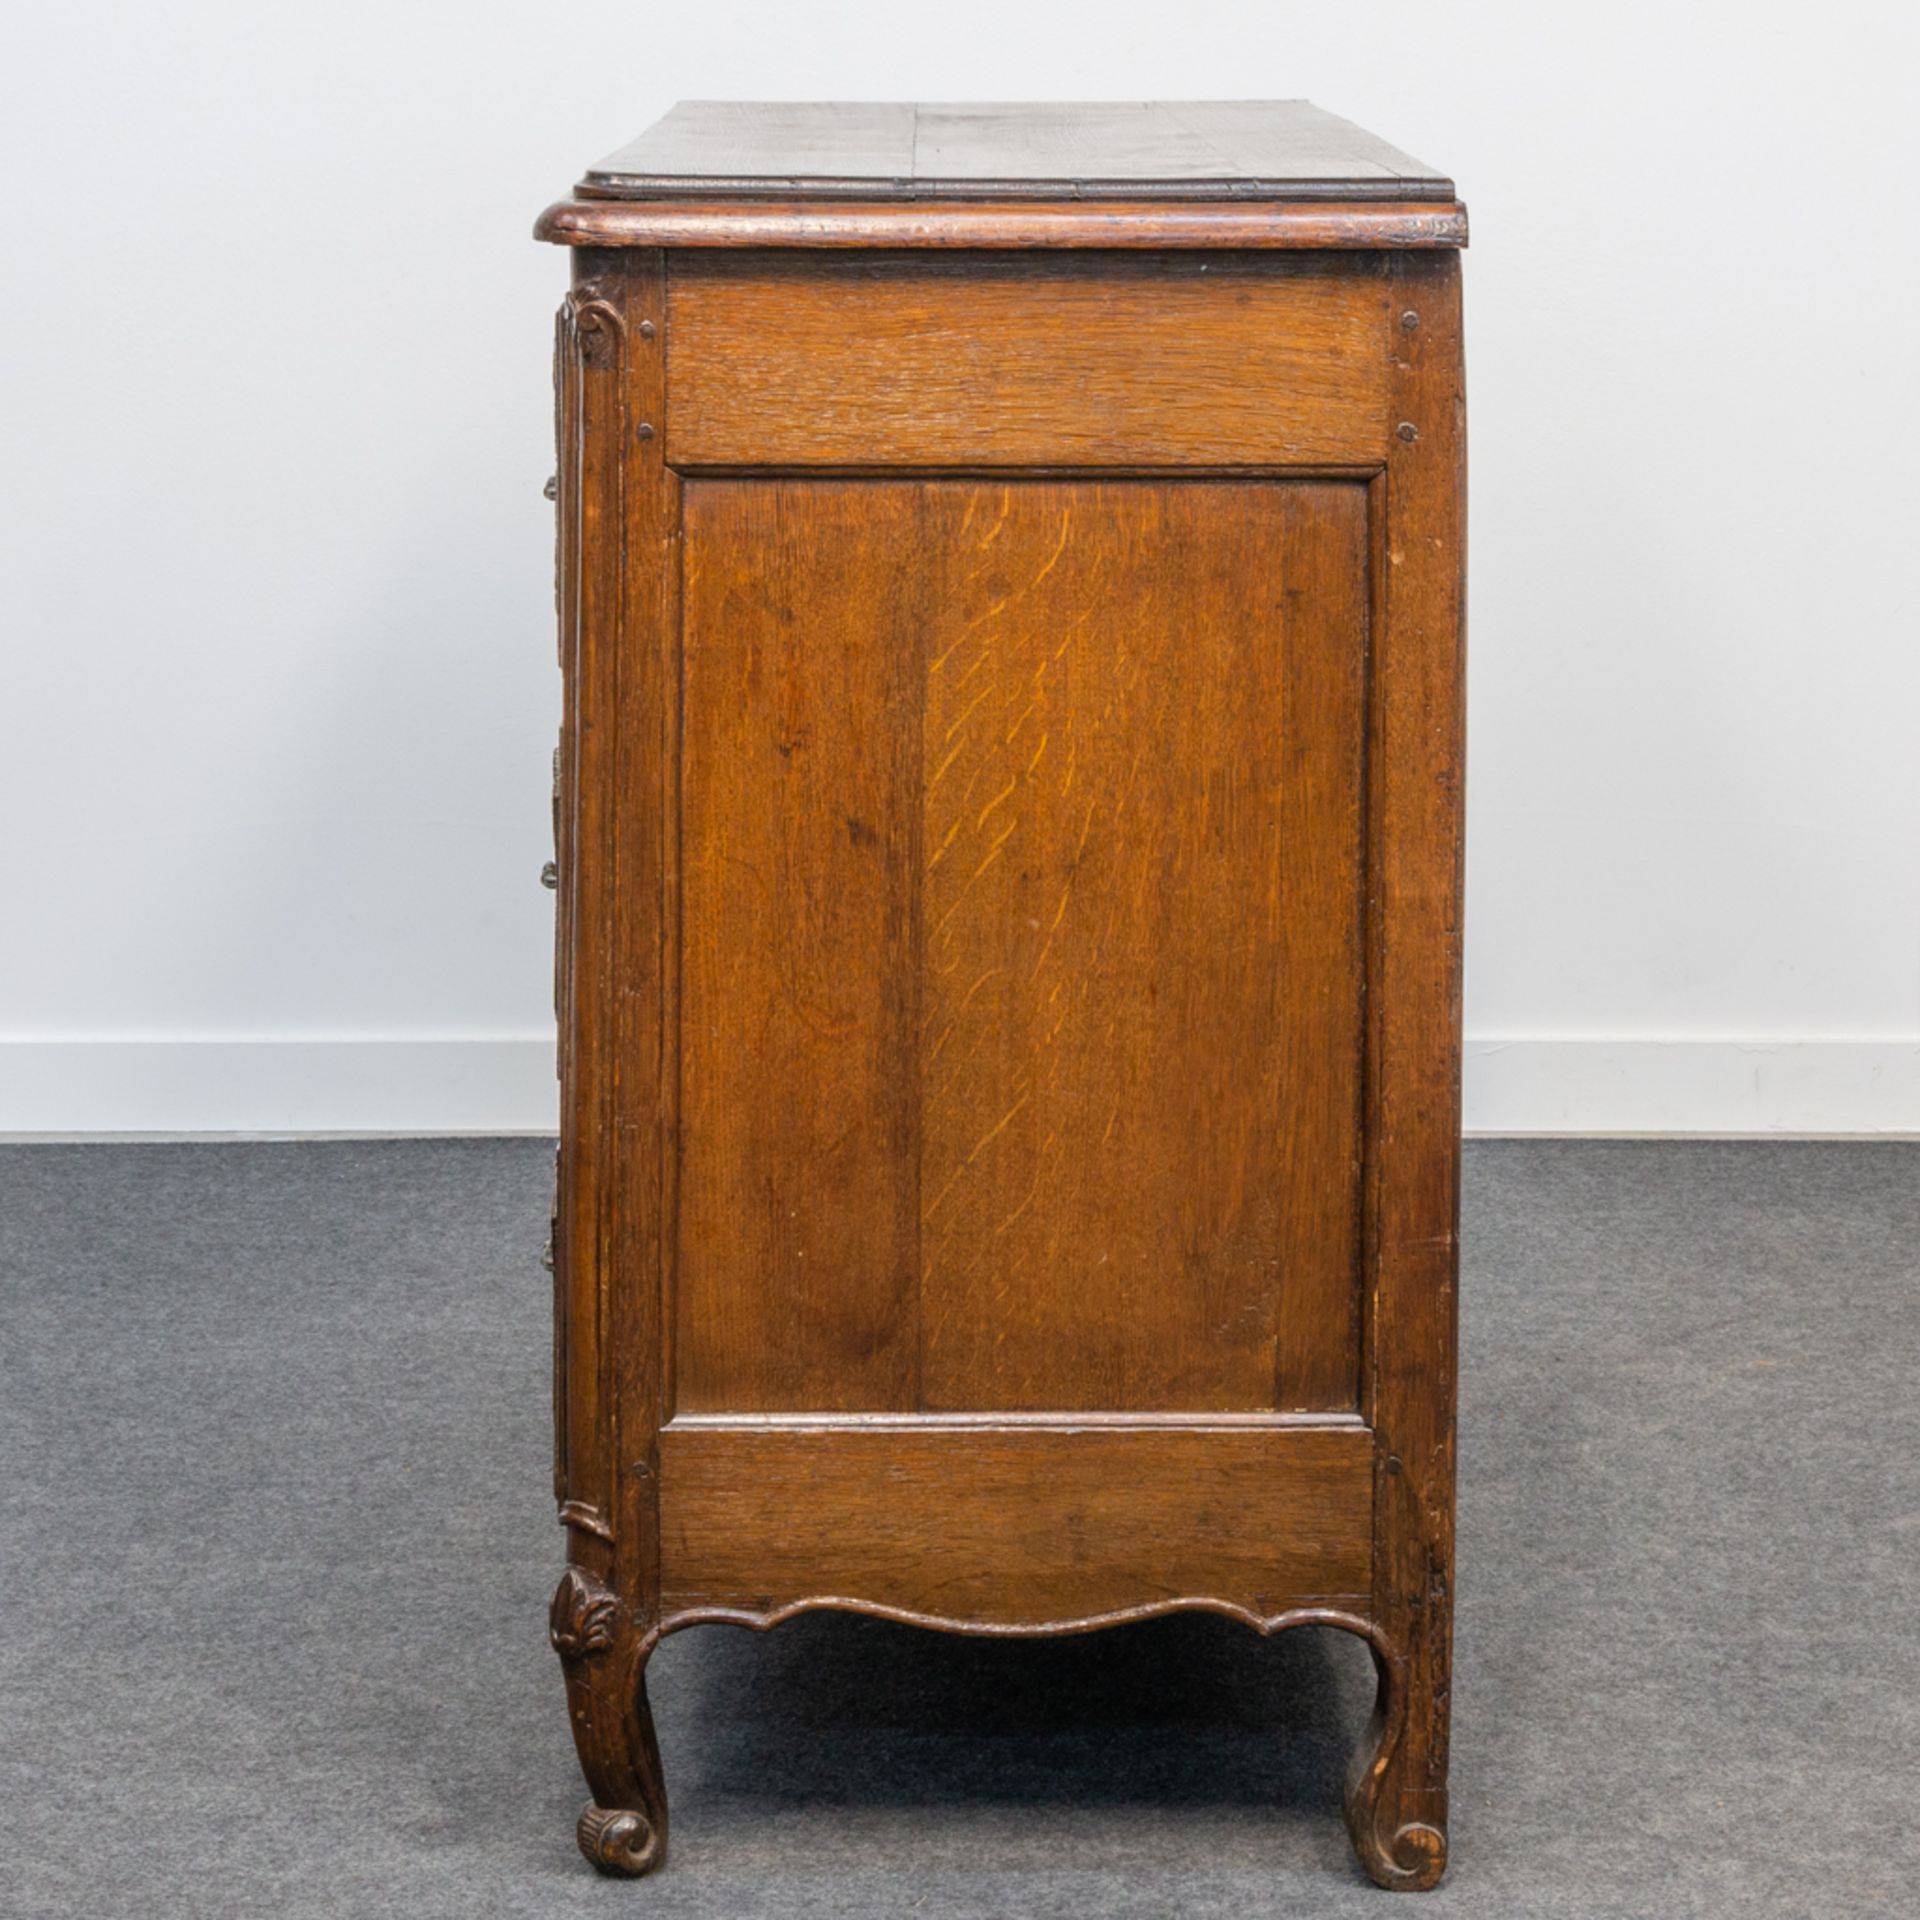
point(623, 1829)
point(1396, 1812)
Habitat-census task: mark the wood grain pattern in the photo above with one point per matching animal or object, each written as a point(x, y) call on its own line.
point(1397, 1805)
point(1138, 147)
point(618, 514)
point(1003, 1527)
point(1022, 972)
point(799, 1237)
point(1139, 226)
point(783, 361)
point(1143, 732)
point(1008, 862)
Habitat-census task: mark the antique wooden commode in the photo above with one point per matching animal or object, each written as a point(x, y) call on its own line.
point(1008, 815)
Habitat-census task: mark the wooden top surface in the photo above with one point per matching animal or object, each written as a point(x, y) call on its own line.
point(1135, 150)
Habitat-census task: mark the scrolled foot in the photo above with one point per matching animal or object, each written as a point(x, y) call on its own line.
point(604, 1656)
point(619, 1841)
point(1396, 1810)
point(1409, 1860)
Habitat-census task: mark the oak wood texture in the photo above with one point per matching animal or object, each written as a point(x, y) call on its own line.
point(1039, 1527)
point(618, 519)
point(1008, 848)
point(1021, 850)
point(915, 360)
point(1399, 1807)
point(1130, 148)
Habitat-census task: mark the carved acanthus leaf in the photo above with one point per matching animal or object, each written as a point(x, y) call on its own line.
point(581, 1620)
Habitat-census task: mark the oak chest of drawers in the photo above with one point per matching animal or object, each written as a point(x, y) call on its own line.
point(1008, 817)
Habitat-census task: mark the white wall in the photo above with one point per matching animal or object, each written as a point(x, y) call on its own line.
point(275, 610)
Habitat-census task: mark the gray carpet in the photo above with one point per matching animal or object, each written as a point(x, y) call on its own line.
point(276, 1545)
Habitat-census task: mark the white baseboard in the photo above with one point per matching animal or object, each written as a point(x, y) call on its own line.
point(1718, 1088)
point(273, 1086)
point(117, 1086)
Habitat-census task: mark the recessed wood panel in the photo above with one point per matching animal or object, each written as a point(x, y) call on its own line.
point(1010, 1526)
point(799, 1228)
point(1004, 361)
point(1022, 902)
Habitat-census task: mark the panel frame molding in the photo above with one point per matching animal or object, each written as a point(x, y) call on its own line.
point(1370, 476)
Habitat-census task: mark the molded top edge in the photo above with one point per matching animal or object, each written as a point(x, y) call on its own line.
point(1264, 225)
